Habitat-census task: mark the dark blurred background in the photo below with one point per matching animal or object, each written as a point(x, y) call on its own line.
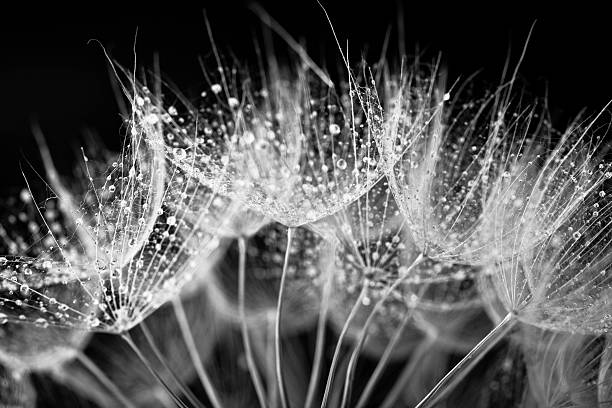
point(51, 73)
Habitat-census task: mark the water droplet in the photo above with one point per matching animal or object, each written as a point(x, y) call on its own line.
point(41, 322)
point(180, 154)
point(151, 119)
point(216, 88)
point(25, 196)
point(94, 322)
point(334, 129)
point(341, 164)
point(248, 137)
point(233, 103)
point(112, 189)
point(171, 220)
point(576, 235)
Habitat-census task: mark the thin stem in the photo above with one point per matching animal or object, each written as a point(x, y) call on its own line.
point(158, 354)
point(468, 362)
point(128, 339)
point(248, 351)
point(277, 328)
point(334, 399)
point(407, 372)
point(271, 361)
point(364, 331)
point(181, 317)
point(603, 389)
point(320, 343)
point(103, 378)
point(336, 356)
point(382, 363)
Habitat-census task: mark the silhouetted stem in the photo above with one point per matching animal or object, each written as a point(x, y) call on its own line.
point(277, 328)
point(103, 378)
point(407, 372)
point(382, 363)
point(320, 343)
point(336, 356)
point(468, 362)
point(271, 361)
point(184, 390)
point(603, 389)
point(128, 339)
point(248, 351)
point(193, 352)
point(334, 399)
point(364, 331)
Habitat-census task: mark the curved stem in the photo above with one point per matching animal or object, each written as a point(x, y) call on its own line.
point(103, 378)
point(364, 330)
point(334, 399)
point(248, 351)
point(181, 317)
point(271, 361)
point(128, 339)
point(382, 363)
point(468, 362)
point(605, 385)
point(320, 343)
point(277, 330)
point(406, 374)
point(336, 356)
point(158, 354)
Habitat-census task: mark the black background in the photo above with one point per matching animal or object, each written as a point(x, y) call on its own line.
point(50, 73)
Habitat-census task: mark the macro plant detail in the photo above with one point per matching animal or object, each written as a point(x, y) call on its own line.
point(295, 233)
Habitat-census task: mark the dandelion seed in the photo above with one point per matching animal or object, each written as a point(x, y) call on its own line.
point(123, 368)
point(560, 368)
point(469, 176)
point(382, 283)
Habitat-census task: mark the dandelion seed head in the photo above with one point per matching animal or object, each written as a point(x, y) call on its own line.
point(374, 254)
point(35, 286)
point(440, 163)
point(135, 249)
point(559, 285)
point(294, 153)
